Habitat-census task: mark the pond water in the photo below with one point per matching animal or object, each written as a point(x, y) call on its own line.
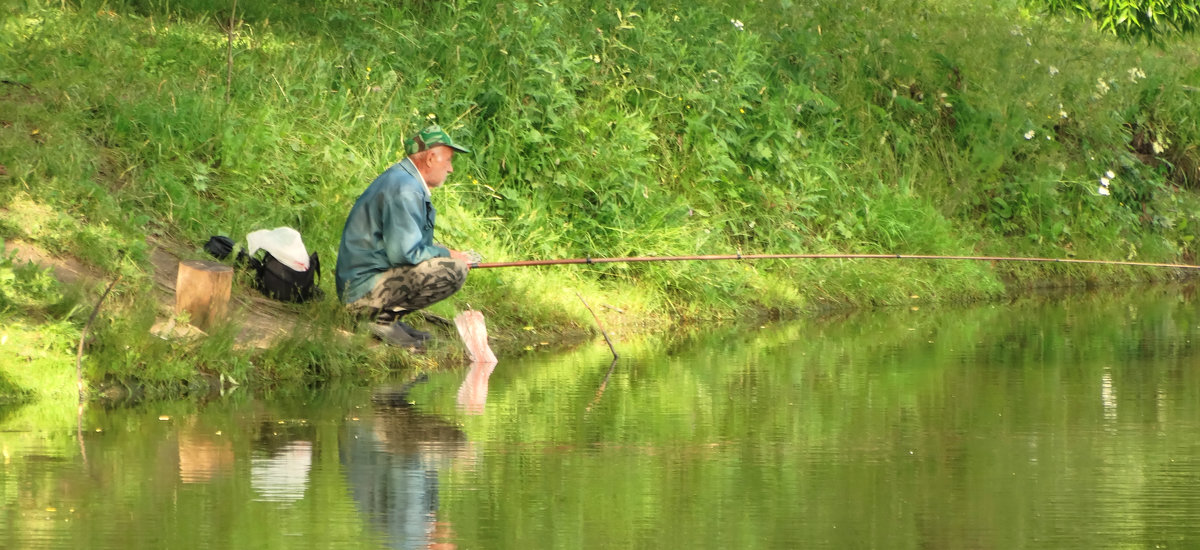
point(1063, 422)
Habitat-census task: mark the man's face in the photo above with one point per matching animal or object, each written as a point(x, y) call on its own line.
point(437, 165)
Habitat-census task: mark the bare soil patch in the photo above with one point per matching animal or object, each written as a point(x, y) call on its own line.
point(261, 320)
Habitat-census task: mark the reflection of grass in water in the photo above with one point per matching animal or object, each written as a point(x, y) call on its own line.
point(45, 419)
point(979, 407)
point(141, 463)
point(911, 354)
point(7, 410)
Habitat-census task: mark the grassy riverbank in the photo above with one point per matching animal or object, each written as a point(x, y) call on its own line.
point(971, 128)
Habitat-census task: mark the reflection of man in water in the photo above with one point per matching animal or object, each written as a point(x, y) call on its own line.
point(391, 459)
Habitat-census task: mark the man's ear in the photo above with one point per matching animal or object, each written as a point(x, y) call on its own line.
point(419, 157)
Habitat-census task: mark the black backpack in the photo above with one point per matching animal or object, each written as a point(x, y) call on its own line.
point(278, 281)
point(272, 277)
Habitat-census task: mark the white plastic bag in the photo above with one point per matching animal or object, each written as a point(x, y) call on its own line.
point(283, 243)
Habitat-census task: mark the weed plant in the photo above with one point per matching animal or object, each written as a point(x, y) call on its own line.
point(598, 130)
point(37, 333)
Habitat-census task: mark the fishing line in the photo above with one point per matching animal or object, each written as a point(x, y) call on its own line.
point(740, 256)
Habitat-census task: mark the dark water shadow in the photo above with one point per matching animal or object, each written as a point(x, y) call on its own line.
point(7, 410)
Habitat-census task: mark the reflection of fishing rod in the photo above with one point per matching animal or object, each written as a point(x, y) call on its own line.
point(589, 261)
point(603, 384)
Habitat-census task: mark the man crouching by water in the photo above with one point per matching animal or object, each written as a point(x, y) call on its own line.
point(388, 265)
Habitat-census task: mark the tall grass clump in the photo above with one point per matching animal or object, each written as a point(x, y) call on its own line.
point(37, 333)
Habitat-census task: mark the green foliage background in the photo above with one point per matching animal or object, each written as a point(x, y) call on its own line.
point(600, 129)
point(1151, 20)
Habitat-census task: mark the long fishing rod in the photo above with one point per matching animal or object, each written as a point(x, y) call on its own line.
point(589, 261)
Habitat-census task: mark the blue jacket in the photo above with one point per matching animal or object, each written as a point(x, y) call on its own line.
point(390, 225)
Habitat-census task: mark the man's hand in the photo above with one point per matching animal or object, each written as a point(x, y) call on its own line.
point(458, 255)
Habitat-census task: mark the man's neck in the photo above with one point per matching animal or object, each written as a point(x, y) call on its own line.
point(420, 176)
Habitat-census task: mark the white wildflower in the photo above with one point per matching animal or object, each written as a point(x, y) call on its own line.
point(1053, 70)
point(1030, 134)
point(740, 26)
point(1161, 143)
point(1101, 87)
point(1105, 181)
point(1135, 74)
point(1102, 191)
point(1109, 174)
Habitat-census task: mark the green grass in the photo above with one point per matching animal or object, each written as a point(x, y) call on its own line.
point(38, 364)
point(598, 130)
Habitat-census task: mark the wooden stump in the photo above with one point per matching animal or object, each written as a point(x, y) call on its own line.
point(202, 289)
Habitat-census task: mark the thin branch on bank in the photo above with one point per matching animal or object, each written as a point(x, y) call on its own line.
point(229, 57)
point(83, 338)
point(598, 324)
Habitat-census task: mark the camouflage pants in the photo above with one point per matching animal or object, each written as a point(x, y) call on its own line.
point(411, 287)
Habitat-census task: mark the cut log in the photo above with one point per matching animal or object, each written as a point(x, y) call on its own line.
point(202, 290)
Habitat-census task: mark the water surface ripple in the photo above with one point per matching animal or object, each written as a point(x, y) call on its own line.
point(1064, 422)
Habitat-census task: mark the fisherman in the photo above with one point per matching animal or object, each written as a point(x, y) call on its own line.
point(388, 265)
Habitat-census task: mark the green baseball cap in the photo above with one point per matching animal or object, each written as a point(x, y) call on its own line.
point(432, 135)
